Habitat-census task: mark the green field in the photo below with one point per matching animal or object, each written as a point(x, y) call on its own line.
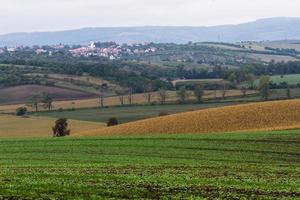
point(224, 166)
point(128, 113)
point(291, 79)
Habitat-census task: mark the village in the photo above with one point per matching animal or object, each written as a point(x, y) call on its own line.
point(111, 50)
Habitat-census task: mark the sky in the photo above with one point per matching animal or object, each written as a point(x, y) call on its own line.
point(52, 15)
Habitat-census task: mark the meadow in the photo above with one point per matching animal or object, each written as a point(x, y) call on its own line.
point(263, 165)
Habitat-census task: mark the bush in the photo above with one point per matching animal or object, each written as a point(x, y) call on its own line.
point(21, 111)
point(163, 114)
point(112, 121)
point(61, 128)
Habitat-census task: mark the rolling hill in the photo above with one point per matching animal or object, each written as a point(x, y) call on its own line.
point(277, 115)
point(263, 29)
point(21, 94)
point(14, 126)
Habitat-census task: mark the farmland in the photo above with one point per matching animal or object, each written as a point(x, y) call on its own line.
point(12, 126)
point(255, 116)
point(127, 113)
point(137, 112)
point(264, 165)
point(85, 83)
point(291, 79)
point(195, 81)
point(21, 94)
point(115, 100)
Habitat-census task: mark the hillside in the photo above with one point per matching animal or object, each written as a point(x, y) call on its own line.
point(13, 126)
point(264, 29)
point(21, 94)
point(257, 116)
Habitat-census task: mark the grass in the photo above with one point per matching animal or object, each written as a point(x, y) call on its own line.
point(127, 113)
point(291, 79)
point(263, 165)
point(12, 126)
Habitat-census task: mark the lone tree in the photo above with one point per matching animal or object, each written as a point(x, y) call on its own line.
point(130, 96)
point(112, 121)
point(182, 95)
point(288, 92)
point(224, 90)
point(61, 128)
point(199, 92)
point(244, 90)
point(148, 92)
point(121, 94)
point(47, 101)
point(264, 87)
point(162, 94)
point(101, 98)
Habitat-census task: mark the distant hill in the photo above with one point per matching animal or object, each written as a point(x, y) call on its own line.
point(263, 29)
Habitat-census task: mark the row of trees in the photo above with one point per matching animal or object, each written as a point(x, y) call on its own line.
point(161, 93)
point(43, 100)
point(264, 86)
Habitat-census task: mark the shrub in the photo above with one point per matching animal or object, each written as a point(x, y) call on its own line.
point(61, 128)
point(21, 111)
point(112, 121)
point(163, 114)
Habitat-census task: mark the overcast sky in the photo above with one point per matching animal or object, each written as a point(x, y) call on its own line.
point(42, 15)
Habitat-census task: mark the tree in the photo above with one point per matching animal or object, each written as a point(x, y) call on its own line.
point(47, 101)
point(250, 79)
point(121, 94)
point(264, 87)
point(21, 111)
point(61, 128)
point(34, 101)
point(224, 90)
point(148, 92)
point(199, 92)
point(130, 96)
point(101, 98)
point(182, 94)
point(162, 95)
point(288, 92)
point(112, 121)
point(244, 90)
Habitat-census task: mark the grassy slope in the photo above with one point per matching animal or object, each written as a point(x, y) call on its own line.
point(232, 166)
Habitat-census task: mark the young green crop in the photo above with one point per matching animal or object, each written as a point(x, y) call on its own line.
point(232, 166)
